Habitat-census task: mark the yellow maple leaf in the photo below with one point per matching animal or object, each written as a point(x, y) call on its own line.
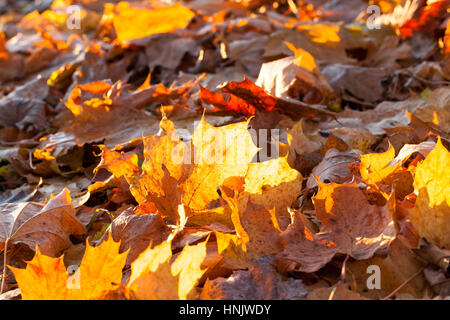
point(223, 152)
point(431, 214)
point(46, 278)
point(273, 184)
point(194, 170)
point(153, 276)
point(119, 164)
point(100, 270)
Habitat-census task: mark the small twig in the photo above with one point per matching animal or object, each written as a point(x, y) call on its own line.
point(404, 284)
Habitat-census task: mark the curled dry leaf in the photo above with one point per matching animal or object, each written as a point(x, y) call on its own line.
point(297, 78)
point(260, 282)
point(246, 97)
point(424, 148)
point(47, 226)
point(334, 167)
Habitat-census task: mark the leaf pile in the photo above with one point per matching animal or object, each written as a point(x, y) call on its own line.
point(224, 149)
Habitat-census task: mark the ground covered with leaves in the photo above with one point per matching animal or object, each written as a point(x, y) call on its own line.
point(211, 149)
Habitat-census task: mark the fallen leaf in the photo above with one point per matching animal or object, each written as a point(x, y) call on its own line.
point(47, 226)
point(148, 21)
point(430, 215)
point(137, 232)
point(153, 276)
point(260, 282)
point(46, 278)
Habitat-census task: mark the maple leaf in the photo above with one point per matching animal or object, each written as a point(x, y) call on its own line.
point(260, 282)
point(47, 226)
point(430, 215)
point(352, 227)
point(134, 22)
point(374, 166)
point(153, 276)
point(257, 233)
point(136, 232)
point(246, 98)
point(46, 278)
point(119, 164)
point(95, 117)
point(195, 170)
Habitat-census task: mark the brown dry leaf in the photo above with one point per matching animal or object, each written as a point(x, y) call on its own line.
point(354, 225)
point(154, 276)
point(303, 250)
point(334, 167)
point(365, 84)
point(431, 213)
point(47, 226)
point(433, 254)
point(27, 115)
point(260, 282)
point(349, 225)
point(137, 232)
point(396, 267)
point(95, 117)
point(46, 278)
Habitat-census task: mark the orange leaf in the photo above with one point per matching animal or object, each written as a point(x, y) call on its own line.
point(46, 278)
